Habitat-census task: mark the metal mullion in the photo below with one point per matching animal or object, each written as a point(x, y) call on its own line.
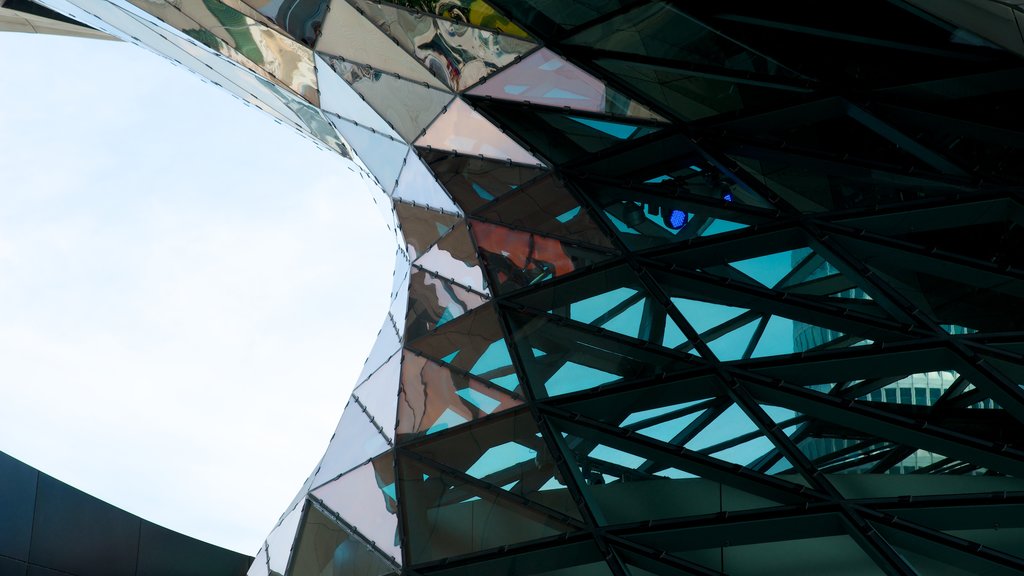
point(698, 464)
point(938, 537)
point(891, 427)
point(876, 547)
point(484, 489)
point(570, 473)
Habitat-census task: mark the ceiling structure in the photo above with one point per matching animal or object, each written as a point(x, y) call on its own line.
point(681, 287)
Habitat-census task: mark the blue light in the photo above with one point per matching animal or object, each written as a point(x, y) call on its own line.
point(696, 168)
point(678, 219)
point(727, 197)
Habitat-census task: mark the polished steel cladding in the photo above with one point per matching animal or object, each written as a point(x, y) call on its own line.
point(682, 287)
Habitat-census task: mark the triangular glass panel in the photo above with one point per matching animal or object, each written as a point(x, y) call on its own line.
point(382, 155)
point(732, 436)
point(448, 515)
point(516, 259)
point(660, 30)
point(692, 96)
point(348, 34)
point(628, 482)
point(463, 130)
point(473, 344)
point(612, 299)
point(506, 452)
point(457, 54)
point(477, 13)
point(545, 206)
point(435, 301)
point(259, 564)
point(386, 344)
point(400, 292)
point(704, 316)
point(407, 106)
point(244, 40)
point(338, 98)
point(770, 269)
point(836, 554)
point(454, 257)
point(279, 542)
point(733, 341)
point(324, 547)
point(645, 220)
point(379, 394)
point(365, 498)
point(417, 185)
point(545, 78)
point(564, 137)
point(695, 177)
point(473, 181)
point(300, 18)
point(435, 398)
point(355, 441)
point(421, 226)
point(930, 558)
point(561, 359)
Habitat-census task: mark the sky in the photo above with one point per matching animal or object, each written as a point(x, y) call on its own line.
point(188, 290)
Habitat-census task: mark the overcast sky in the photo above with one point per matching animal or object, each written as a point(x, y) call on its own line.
point(187, 289)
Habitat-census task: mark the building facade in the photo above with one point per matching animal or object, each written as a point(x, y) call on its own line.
point(681, 287)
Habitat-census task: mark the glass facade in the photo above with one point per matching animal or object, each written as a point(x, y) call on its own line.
point(681, 287)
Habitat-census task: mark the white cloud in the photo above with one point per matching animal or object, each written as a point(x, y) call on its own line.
point(187, 289)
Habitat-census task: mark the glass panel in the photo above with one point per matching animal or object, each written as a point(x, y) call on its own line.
point(838, 555)
point(435, 398)
point(422, 227)
point(545, 78)
point(378, 394)
point(407, 106)
point(355, 441)
point(418, 185)
point(279, 542)
point(625, 486)
point(693, 96)
point(458, 55)
point(382, 155)
point(646, 220)
point(259, 564)
point(435, 301)
point(348, 34)
point(475, 12)
point(447, 515)
point(327, 549)
point(400, 290)
point(242, 39)
point(560, 359)
point(473, 343)
point(506, 452)
point(516, 259)
point(564, 137)
point(386, 344)
point(454, 258)
point(338, 97)
point(475, 181)
point(612, 299)
point(462, 129)
point(301, 18)
point(660, 30)
point(546, 207)
point(365, 498)
point(550, 16)
point(932, 559)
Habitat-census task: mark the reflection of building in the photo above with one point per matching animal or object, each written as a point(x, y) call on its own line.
point(616, 220)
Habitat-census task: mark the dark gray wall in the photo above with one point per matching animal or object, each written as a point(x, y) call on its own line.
point(48, 528)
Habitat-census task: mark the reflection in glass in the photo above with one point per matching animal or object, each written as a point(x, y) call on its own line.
point(545, 78)
point(366, 499)
point(457, 55)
